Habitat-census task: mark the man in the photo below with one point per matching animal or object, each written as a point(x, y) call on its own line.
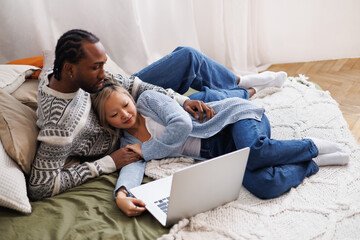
point(69, 127)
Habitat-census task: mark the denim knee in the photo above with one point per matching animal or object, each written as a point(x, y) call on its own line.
point(257, 153)
point(190, 50)
point(272, 182)
point(263, 185)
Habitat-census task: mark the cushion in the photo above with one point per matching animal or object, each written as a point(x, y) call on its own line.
point(13, 192)
point(33, 61)
point(18, 130)
point(12, 76)
point(112, 67)
point(49, 57)
point(27, 93)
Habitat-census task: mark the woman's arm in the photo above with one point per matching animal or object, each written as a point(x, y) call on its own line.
point(130, 176)
point(177, 122)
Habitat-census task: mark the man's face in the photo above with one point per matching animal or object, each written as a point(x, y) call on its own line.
point(89, 72)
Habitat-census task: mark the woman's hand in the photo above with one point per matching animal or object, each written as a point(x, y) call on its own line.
point(130, 206)
point(192, 105)
point(135, 148)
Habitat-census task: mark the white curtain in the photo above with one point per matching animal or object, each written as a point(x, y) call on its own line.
point(135, 33)
point(224, 30)
point(244, 35)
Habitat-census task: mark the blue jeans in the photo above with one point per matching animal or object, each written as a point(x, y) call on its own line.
point(186, 67)
point(274, 166)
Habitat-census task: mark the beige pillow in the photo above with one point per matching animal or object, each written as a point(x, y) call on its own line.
point(27, 93)
point(12, 76)
point(13, 193)
point(18, 130)
point(112, 67)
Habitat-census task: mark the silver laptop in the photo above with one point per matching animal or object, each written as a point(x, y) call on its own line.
point(194, 189)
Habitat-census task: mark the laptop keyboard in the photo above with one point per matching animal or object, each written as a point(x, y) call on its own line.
point(163, 204)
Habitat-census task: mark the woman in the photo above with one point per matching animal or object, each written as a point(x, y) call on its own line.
point(157, 127)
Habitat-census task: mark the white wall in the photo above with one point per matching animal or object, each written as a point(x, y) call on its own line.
point(308, 30)
point(241, 34)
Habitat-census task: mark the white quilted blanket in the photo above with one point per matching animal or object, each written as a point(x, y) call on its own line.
point(324, 206)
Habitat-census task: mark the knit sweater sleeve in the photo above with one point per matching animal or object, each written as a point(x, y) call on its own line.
point(136, 86)
point(49, 176)
point(177, 122)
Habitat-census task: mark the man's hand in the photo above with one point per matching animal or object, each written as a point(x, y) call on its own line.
point(123, 157)
point(192, 105)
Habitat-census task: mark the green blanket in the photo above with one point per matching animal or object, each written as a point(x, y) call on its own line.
point(84, 212)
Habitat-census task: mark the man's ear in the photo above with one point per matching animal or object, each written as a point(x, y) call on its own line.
point(68, 69)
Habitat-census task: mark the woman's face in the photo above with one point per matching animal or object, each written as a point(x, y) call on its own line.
point(120, 111)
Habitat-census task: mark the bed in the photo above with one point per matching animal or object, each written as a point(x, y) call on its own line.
point(324, 206)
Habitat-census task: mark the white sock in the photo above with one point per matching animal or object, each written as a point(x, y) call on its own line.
point(263, 80)
point(335, 158)
point(325, 146)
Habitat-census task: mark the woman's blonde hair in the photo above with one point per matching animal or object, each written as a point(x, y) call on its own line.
point(98, 103)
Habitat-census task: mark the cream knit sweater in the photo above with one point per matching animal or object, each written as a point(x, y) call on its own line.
point(70, 128)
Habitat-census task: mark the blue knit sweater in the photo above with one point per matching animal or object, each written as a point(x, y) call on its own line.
point(179, 125)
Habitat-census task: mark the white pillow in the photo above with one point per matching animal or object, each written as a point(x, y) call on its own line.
point(13, 193)
point(12, 76)
point(48, 62)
